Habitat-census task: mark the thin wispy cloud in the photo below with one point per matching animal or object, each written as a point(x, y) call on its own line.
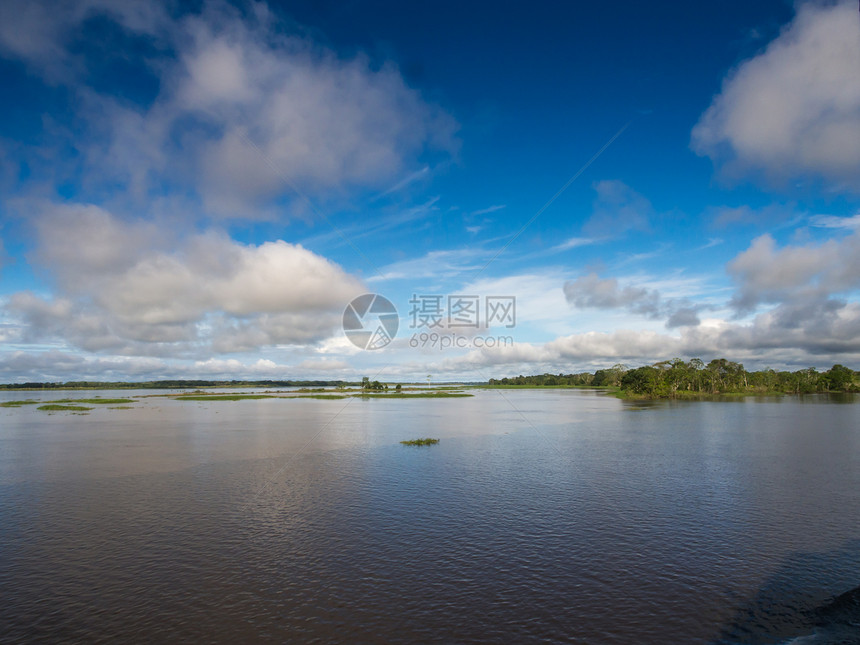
point(399, 220)
point(712, 242)
point(832, 221)
point(489, 209)
point(633, 258)
point(403, 183)
point(572, 243)
point(433, 266)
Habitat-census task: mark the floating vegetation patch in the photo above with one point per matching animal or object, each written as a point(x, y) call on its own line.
point(121, 407)
point(17, 404)
point(420, 442)
point(96, 401)
point(414, 395)
point(320, 396)
point(55, 407)
point(224, 397)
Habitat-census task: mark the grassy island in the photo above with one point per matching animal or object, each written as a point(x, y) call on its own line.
point(420, 442)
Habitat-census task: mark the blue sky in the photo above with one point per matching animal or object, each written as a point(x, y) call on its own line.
point(198, 190)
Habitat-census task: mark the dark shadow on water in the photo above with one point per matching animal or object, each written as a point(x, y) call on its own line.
point(813, 599)
point(809, 399)
point(831, 397)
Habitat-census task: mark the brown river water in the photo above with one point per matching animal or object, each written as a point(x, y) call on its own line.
point(550, 516)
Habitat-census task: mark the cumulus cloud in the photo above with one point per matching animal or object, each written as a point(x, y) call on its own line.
point(767, 274)
point(323, 366)
point(793, 110)
point(832, 337)
point(565, 353)
point(683, 317)
point(607, 293)
point(808, 289)
point(286, 111)
point(808, 317)
point(41, 33)
point(55, 365)
point(122, 286)
point(243, 114)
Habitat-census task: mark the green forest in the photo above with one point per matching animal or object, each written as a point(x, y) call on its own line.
point(676, 378)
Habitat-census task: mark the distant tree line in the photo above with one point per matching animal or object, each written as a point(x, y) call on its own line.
point(675, 377)
point(165, 384)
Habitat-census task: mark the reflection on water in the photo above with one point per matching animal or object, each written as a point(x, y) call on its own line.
point(305, 520)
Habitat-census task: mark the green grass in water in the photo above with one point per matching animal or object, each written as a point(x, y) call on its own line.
point(96, 401)
point(420, 442)
point(320, 396)
point(53, 407)
point(225, 397)
point(414, 395)
point(17, 404)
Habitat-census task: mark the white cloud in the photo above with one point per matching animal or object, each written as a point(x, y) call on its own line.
point(605, 293)
point(592, 291)
point(572, 243)
point(322, 366)
point(90, 243)
point(403, 183)
point(488, 210)
point(40, 32)
point(539, 307)
point(832, 221)
point(794, 109)
point(766, 341)
point(712, 241)
point(765, 273)
point(123, 287)
point(246, 114)
point(810, 321)
point(284, 111)
point(55, 365)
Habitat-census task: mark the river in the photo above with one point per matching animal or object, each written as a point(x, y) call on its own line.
point(541, 516)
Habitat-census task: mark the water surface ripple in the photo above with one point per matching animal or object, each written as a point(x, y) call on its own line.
point(597, 521)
